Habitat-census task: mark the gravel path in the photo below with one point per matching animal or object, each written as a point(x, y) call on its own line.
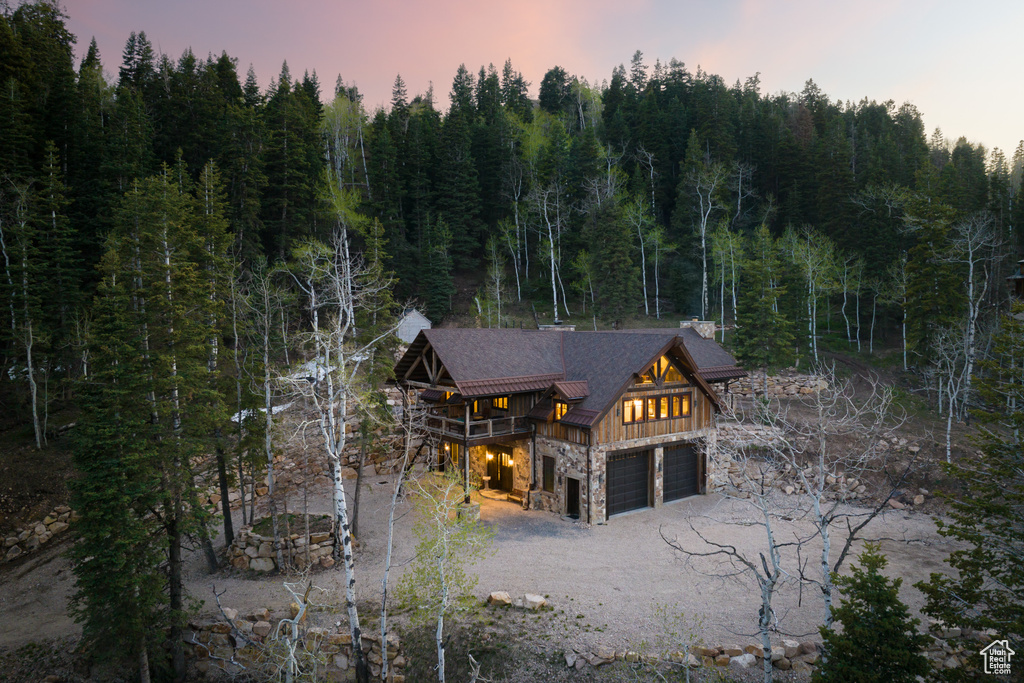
point(621, 577)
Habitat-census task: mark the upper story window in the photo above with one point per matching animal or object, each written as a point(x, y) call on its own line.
point(662, 372)
point(561, 408)
point(648, 408)
point(500, 402)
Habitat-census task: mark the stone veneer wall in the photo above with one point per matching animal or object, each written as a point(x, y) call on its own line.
point(520, 460)
point(786, 384)
point(571, 461)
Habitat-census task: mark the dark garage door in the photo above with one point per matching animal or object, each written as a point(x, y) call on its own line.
point(628, 481)
point(682, 472)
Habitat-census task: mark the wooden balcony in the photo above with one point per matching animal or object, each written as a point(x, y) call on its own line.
point(479, 431)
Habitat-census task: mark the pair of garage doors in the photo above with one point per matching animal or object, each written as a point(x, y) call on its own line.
point(630, 481)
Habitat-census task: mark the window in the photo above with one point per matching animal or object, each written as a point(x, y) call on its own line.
point(549, 474)
point(561, 408)
point(673, 375)
point(664, 407)
point(500, 402)
point(632, 410)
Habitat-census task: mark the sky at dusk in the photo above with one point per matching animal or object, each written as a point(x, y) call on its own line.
point(954, 60)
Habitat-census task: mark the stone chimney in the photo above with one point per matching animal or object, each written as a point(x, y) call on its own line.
point(705, 328)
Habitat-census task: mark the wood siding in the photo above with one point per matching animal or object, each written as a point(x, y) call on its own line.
point(611, 429)
point(557, 430)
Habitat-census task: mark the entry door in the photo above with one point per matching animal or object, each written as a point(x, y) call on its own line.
point(572, 498)
point(503, 458)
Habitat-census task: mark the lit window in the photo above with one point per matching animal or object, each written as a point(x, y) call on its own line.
point(652, 409)
point(500, 402)
point(676, 407)
point(673, 375)
point(561, 408)
point(686, 400)
point(632, 410)
point(663, 407)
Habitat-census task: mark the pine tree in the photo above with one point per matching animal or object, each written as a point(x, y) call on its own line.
point(986, 590)
point(764, 337)
point(879, 642)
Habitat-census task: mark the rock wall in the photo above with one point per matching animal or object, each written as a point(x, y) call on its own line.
point(570, 461)
point(32, 536)
point(253, 551)
point(247, 646)
point(786, 384)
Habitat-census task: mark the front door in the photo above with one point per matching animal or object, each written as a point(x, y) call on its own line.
point(502, 470)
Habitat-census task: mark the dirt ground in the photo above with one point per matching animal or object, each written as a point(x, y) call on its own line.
point(627, 584)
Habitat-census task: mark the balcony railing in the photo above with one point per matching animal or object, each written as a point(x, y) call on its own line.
point(478, 429)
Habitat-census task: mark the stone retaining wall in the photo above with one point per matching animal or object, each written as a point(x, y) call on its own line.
point(33, 535)
point(247, 645)
point(786, 384)
point(253, 551)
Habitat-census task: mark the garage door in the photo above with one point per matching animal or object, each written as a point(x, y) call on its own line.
point(628, 481)
point(682, 472)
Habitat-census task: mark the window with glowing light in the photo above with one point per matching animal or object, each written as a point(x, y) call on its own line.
point(561, 408)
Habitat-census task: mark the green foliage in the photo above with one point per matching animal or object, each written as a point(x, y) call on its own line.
point(448, 542)
point(987, 589)
point(764, 337)
point(879, 642)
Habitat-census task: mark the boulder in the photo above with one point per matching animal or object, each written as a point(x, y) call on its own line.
point(14, 552)
point(10, 540)
point(319, 537)
point(790, 648)
point(722, 660)
point(692, 661)
point(57, 527)
point(604, 652)
point(262, 615)
point(895, 504)
point(702, 651)
point(744, 661)
point(810, 658)
point(570, 659)
point(732, 650)
point(261, 564)
point(240, 562)
point(918, 499)
point(533, 601)
point(327, 562)
point(265, 550)
point(230, 613)
point(808, 647)
point(782, 664)
point(501, 599)
point(261, 628)
point(755, 650)
point(802, 667)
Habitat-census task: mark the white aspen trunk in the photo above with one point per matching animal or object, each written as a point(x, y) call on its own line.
point(143, 660)
point(704, 268)
point(732, 282)
point(268, 446)
point(871, 337)
point(10, 280)
point(551, 253)
point(858, 314)
point(565, 306)
point(849, 339)
point(643, 265)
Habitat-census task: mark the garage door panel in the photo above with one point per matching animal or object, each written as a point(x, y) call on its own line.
point(681, 472)
point(628, 481)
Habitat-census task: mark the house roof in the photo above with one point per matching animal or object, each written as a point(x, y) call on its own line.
point(572, 391)
point(591, 367)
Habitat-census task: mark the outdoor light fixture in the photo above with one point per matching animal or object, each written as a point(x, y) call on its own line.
point(490, 456)
point(510, 462)
point(447, 447)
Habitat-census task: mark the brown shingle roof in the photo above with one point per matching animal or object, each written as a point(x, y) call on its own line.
point(593, 366)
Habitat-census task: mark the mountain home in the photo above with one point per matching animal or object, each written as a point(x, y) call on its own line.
point(584, 424)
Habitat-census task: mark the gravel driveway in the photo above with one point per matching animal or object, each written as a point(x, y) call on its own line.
point(622, 579)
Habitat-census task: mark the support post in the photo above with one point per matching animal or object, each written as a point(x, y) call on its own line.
point(465, 455)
